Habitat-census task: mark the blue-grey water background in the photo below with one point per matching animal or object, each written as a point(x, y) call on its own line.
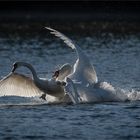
point(115, 55)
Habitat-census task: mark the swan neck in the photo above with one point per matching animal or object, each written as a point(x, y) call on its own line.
point(31, 69)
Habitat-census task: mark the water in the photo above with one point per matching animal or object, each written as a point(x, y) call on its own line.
point(115, 57)
point(85, 121)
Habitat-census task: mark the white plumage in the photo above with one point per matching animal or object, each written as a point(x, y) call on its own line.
point(18, 85)
point(83, 74)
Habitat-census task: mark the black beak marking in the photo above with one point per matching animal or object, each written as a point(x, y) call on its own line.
point(56, 74)
point(14, 68)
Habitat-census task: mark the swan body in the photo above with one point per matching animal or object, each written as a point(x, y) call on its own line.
point(84, 76)
point(51, 87)
point(100, 92)
point(16, 84)
point(20, 85)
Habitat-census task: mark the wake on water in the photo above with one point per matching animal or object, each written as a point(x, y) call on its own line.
point(20, 101)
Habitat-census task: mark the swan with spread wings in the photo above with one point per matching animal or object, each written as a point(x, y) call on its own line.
point(84, 77)
point(16, 84)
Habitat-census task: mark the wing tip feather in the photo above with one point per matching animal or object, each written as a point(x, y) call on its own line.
point(66, 40)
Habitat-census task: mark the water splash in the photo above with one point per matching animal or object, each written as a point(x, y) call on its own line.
point(126, 95)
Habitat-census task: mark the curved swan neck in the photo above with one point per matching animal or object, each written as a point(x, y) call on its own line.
point(29, 66)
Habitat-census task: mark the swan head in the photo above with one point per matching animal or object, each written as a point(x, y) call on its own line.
point(56, 74)
point(63, 72)
point(17, 65)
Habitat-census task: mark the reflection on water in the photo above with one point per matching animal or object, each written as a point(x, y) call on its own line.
point(115, 57)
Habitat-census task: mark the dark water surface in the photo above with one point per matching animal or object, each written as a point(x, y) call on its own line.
point(116, 58)
point(85, 121)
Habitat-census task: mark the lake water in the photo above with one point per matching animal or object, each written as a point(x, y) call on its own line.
point(115, 56)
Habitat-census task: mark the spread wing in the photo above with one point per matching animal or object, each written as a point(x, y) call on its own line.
point(18, 85)
point(84, 71)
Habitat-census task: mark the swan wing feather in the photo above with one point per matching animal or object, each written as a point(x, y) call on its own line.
point(18, 85)
point(68, 41)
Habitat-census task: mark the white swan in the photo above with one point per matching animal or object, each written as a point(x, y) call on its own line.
point(20, 85)
point(84, 76)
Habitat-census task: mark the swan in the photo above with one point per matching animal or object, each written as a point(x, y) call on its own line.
point(20, 85)
point(83, 76)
